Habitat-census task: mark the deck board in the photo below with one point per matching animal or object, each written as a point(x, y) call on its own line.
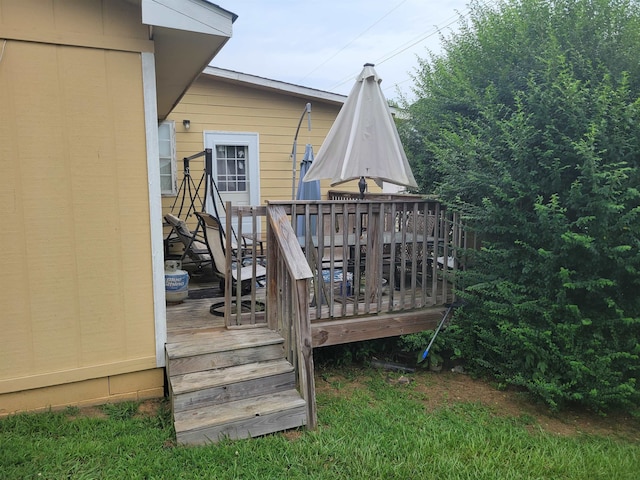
point(192, 315)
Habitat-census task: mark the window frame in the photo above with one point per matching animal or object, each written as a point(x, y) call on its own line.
point(236, 175)
point(251, 140)
point(172, 161)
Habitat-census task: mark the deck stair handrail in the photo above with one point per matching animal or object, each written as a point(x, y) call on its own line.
point(288, 292)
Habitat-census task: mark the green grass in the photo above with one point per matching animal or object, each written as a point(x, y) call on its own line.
point(371, 431)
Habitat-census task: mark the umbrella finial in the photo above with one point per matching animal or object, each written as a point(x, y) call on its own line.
point(369, 64)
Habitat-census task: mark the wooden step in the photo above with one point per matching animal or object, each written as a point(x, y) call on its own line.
point(220, 340)
point(241, 419)
point(222, 349)
point(213, 387)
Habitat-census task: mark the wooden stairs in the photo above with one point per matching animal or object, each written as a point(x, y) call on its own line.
point(231, 384)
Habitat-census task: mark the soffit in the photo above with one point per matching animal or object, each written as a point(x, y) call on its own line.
point(187, 35)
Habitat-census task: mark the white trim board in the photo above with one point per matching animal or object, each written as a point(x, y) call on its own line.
point(155, 204)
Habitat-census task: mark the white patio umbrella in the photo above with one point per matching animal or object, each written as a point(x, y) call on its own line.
point(363, 141)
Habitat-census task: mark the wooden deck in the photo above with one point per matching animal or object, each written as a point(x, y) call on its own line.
point(193, 316)
point(374, 269)
point(190, 317)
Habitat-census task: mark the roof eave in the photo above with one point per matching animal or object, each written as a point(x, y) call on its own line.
point(187, 35)
point(274, 85)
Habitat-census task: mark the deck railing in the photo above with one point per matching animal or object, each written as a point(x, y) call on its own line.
point(448, 238)
point(288, 280)
point(381, 254)
point(244, 247)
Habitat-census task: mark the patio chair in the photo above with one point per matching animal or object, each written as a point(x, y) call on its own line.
point(241, 268)
point(194, 247)
point(422, 227)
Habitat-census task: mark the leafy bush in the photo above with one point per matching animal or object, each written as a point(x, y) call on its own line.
point(348, 354)
point(442, 348)
point(530, 123)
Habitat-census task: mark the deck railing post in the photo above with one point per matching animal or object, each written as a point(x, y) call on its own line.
point(305, 351)
point(272, 310)
point(228, 285)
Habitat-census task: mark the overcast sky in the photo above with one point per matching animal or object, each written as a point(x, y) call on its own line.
point(324, 43)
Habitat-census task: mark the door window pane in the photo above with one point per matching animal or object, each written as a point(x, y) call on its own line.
point(231, 163)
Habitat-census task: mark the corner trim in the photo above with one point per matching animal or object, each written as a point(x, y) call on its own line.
point(155, 203)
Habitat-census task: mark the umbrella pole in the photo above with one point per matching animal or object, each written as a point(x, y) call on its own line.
point(307, 110)
point(293, 156)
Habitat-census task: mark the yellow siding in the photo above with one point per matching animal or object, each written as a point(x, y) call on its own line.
point(109, 24)
point(211, 104)
point(76, 289)
point(131, 386)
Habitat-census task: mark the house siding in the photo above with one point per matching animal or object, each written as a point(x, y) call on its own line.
point(76, 290)
point(218, 105)
point(134, 386)
point(103, 24)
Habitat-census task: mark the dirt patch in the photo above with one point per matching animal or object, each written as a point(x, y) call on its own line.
point(146, 408)
point(151, 407)
point(91, 412)
point(446, 388)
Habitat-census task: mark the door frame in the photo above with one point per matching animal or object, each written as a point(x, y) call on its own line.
point(252, 141)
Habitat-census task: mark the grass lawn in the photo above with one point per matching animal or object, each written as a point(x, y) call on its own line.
point(373, 425)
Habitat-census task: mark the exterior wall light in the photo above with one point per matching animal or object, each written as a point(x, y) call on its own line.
point(187, 124)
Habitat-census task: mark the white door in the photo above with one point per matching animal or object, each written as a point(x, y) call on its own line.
point(236, 172)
